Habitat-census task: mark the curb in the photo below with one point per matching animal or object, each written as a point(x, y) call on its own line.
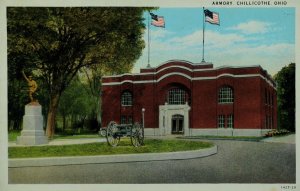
point(222, 139)
point(61, 161)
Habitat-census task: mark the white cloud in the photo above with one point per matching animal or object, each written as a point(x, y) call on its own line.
point(159, 33)
point(271, 57)
point(212, 38)
point(221, 49)
point(253, 27)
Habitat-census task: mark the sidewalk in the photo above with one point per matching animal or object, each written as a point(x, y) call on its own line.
point(290, 139)
point(65, 142)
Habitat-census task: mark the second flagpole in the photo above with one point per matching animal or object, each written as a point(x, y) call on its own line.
point(148, 66)
point(203, 36)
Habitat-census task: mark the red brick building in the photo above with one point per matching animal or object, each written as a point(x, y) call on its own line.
point(181, 97)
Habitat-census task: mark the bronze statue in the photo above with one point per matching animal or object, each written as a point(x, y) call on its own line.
point(32, 86)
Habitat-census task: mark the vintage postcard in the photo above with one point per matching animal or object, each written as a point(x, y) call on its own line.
point(107, 95)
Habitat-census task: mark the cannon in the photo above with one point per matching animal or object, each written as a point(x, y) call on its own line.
point(114, 132)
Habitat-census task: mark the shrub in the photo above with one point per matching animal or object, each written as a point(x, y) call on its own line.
point(276, 132)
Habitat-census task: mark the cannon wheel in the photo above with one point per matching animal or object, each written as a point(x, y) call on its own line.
point(111, 136)
point(137, 138)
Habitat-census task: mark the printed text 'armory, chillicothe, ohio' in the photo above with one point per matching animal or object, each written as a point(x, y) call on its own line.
point(249, 3)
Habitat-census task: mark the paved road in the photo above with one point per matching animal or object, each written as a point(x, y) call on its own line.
point(236, 162)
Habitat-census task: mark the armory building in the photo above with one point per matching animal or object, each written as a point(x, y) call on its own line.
point(180, 97)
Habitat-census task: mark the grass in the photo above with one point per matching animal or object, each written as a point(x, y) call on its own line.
point(124, 147)
point(76, 136)
point(12, 135)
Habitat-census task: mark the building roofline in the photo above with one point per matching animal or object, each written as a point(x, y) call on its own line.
point(191, 70)
point(184, 61)
point(188, 69)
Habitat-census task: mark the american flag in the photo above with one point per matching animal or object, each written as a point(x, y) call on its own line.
point(212, 17)
point(157, 21)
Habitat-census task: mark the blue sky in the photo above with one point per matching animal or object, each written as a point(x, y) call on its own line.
point(246, 36)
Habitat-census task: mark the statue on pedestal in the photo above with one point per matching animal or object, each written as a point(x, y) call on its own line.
point(32, 87)
point(32, 130)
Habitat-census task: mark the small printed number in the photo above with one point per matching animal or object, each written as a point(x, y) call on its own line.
point(283, 188)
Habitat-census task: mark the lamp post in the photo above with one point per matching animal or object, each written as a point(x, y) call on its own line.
point(143, 118)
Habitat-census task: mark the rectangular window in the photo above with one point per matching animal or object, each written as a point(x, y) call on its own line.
point(230, 121)
point(221, 121)
point(123, 119)
point(126, 99)
point(177, 96)
point(225, 95)
point(271, 121)
point(266, 96)
point(272, 101)
point(129, 119)
point(267, 122)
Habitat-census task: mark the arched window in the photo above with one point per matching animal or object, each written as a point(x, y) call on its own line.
point(225, 95)
point(177, 96)
point(126, 99)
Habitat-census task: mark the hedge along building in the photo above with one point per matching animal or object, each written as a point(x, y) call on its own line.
point(181, 97)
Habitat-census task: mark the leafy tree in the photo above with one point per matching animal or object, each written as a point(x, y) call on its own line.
point(285, 80)
point(76, 102)
point(58, 42)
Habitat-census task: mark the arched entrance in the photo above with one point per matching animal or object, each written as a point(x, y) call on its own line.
point(177, 124)
point(174, 114)
point(174, 119)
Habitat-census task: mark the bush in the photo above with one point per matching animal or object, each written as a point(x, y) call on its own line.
point(276, 132)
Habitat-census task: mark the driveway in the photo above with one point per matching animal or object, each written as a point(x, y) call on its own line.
point(235, 162)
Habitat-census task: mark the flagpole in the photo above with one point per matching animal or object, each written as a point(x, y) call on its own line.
point(203, 36)
point(148, 66)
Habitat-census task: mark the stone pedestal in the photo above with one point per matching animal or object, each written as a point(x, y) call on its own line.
point(32, 133)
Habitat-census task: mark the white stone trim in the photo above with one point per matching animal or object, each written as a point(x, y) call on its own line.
point(128, 81)
point(190, 78)
point(174, 74)
point(212, 132)
point(178, 66)
point(228, 132)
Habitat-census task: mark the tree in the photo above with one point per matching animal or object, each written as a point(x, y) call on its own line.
point(76, 102)
point(61, 41)
point(285, 80)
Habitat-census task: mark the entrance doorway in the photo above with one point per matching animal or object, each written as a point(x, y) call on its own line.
point(177, 124)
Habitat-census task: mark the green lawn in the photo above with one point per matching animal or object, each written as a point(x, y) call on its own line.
point(12, 135)
point(76, 136)
point(124, 147)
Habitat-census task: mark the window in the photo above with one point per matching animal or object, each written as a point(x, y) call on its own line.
point(225, 95)
point(126, 99)
point(129, 119)
point(271, 122)
point(123, 119)
point(272, 101)
point(221, 121)
point(230, 121)
point(268, 122)
point(266, 96)
point(177, 96)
